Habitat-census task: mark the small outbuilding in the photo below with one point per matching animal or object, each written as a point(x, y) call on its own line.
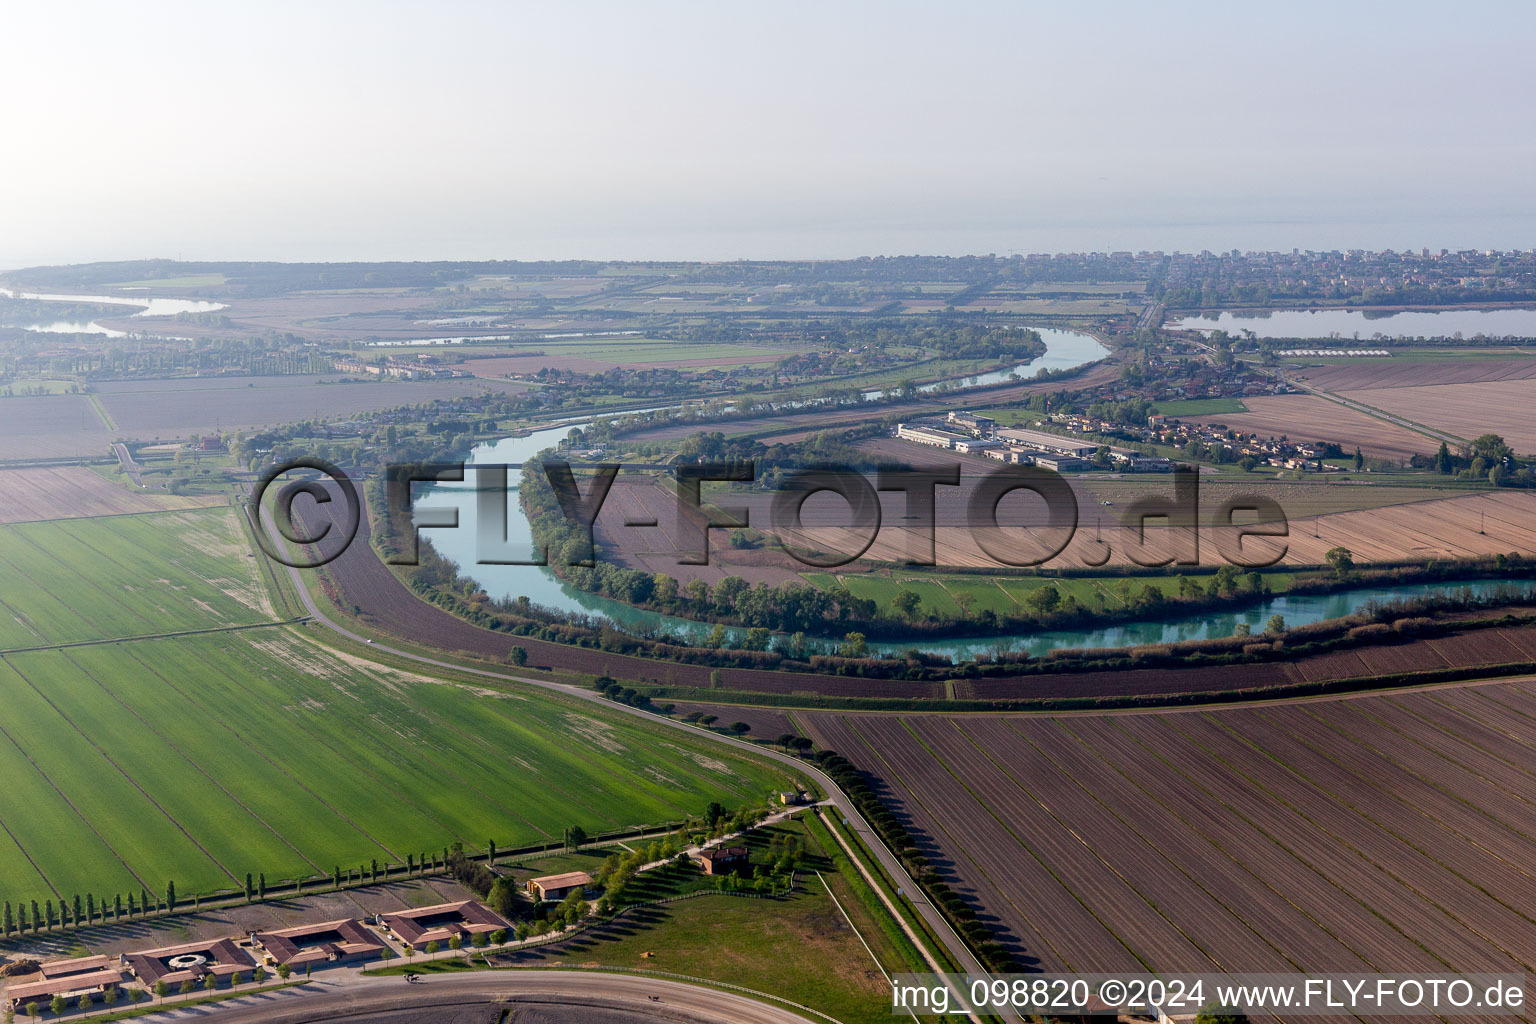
point(723, 860)
point(558, 887)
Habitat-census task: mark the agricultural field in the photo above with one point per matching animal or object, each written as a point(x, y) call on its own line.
point(1466, 410)
point(599, 355)
point(50, 427)
point(1410, 371)
point(71, 492)
point(1475, 524)
point(1371, 834)
point(76, 580)
point(178, 408)
point(1400, 518)
point(1076, 305)
point(198, 759)
point(1310, 418)
point(1314, 495)
point(25, 388)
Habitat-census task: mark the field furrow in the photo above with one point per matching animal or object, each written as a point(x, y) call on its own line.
point(1138, 854)
point(152, 843)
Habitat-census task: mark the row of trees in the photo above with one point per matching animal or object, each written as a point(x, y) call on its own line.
point(992, 954)
point(79, 912)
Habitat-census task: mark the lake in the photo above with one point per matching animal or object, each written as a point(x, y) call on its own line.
point(147, 306)
point(1353, 323)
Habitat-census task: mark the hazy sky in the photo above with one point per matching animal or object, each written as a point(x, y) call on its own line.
point(723, 130)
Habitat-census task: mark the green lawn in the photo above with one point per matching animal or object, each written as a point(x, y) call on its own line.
point(199, 759)
point(799, 947)
point(116, 576)
point(1201, 407)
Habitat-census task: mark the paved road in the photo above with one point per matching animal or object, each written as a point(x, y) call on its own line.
point(893, 867)
point(132, 468)
point(1152, 316)
point(365, 997)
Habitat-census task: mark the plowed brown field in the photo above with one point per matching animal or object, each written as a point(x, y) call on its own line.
point(1371, 834)
point(1309, 418)
point(1393, 373)
point(1500, 407)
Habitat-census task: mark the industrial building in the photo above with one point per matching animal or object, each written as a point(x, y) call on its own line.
point(1051, 444)
point(931, 436)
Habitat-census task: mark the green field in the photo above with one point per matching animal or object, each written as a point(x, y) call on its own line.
point(33, 387)
point(198, 759)
point(799, 947)
point(119, 576)
point(1201, 407)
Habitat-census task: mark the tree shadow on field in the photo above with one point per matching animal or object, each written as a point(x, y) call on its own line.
point(941, 863)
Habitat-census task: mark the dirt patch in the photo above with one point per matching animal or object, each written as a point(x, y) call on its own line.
point(594, 731)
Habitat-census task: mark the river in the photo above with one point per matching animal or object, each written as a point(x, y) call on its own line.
point(542, 587)
point(1348, 324)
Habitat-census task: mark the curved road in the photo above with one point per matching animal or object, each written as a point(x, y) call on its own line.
point(958, 951)
point(647, 998)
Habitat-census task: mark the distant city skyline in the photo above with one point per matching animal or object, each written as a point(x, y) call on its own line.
point(354, 131)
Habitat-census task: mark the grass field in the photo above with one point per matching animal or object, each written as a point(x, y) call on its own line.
point(198, 759)
point(799, 947)
point(37, 386)
point(90, 579)
point(1201, 407)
